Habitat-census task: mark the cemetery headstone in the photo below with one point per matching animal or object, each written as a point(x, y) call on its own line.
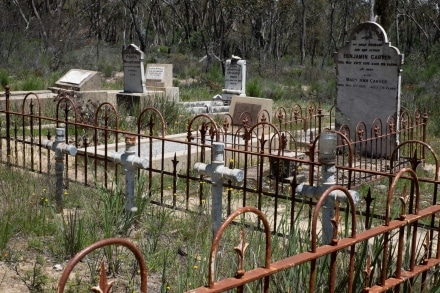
point(368, 72)
point(134, 76)
point(80, 80)
point(250, 107)
point(235, 79)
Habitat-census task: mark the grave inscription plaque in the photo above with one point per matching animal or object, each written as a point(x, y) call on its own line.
point(159, 75)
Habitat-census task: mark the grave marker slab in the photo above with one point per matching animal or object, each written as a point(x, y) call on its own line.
point(134, 76)
point(250, 106)
point(368, 72)
point(80, 80)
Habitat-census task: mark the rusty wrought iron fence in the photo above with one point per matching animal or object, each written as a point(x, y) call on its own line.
point(276, 154)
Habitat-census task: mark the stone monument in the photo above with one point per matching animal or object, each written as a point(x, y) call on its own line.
point(235, 79)
point(368, 73)
point(134, 76)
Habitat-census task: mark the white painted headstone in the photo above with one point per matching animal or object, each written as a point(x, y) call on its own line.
point(368, 72)
point(235, 78)
point(134, 76)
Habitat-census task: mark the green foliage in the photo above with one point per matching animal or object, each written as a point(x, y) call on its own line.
point(276, 92)
point(421, 85)
point(35, 278)
point(212, 80)
point(253, 88)
point(6, 230)
point(163, 49)
point(107, 69)
point(73, 233)
point(4, 77)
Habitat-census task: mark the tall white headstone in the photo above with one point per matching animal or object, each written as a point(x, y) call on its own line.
point(134, 72)
point(368, 72)
point(235, 79)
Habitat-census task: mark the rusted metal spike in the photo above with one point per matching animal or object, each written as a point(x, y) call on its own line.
point(425, 244)
point(240, 249)
point(403, 199)
point(226, 125)
point(360, 133)
point(415, 161)
point(280, 116)
point(104, 286)
point(367, 271)
point(335, 223)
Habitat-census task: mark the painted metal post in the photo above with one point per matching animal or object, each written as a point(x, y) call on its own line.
point(60, 147)
point(130, 162)
point(327, 157)
point(218, 172)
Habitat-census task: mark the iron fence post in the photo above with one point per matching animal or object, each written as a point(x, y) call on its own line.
point(60, 148)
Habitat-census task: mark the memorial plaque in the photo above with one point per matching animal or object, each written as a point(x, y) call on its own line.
point(159, 75)
point(155, 73)
point(134, 76)
point(368, 77)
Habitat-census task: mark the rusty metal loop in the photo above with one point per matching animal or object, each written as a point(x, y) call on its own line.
point(105, 242)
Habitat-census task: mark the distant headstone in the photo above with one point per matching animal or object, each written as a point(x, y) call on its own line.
point(250, 108)
point(134, 76)
point(235, 79)
point(368, 72)
point(159, 76)
point(80, 80)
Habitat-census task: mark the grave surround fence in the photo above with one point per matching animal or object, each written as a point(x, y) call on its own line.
point(276, 153)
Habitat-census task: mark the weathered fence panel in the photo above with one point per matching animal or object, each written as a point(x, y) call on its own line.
point(275, 157)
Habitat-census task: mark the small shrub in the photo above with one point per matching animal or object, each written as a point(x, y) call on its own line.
point(4, 77)
point(106, 69)
point(163, 49)
point(253, 88)
point(73, 233)
point(33, 83)
point(275, 93)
